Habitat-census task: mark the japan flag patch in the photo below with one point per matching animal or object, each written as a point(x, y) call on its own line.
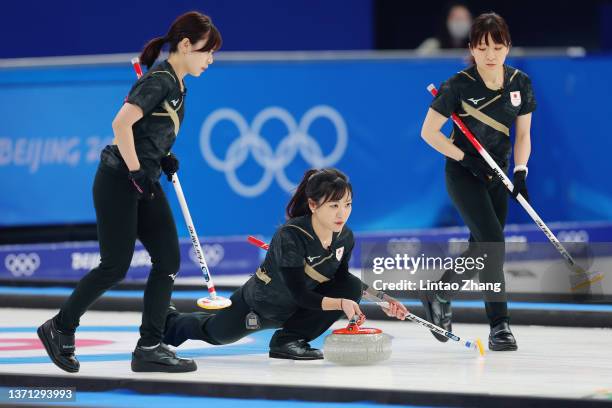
point(339, 253)
point(515, 98)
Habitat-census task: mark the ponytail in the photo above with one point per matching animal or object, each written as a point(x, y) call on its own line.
point(298, 205)
point(320, 186)
point(151, 51)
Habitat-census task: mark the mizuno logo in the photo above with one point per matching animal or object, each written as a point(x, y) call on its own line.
point(175, 101)
point(173, 276)
point(475, 101)
point(312, 258)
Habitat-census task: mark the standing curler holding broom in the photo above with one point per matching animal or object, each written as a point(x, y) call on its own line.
point(490, 97)
point(130, 203)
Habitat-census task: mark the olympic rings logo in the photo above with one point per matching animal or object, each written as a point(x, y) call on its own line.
point(22, 264)
point(573, 236)
point(273, 161)
point(213, 254)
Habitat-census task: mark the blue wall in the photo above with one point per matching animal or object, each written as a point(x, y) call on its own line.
point(99, 27)
point(55, 121)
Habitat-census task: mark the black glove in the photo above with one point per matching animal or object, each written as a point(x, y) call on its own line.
point(144, 186)
point(477, 166)
point(520, 185)
point(169, 165)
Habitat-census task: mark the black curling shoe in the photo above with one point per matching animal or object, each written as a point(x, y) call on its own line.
point(296, 350)
point(59, 346)
point(160, 360)
point(438, 313)
point(501, 338)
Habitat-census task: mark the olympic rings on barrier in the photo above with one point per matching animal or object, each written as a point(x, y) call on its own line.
point(273, 161)
point(22, 264)
point(212, 253)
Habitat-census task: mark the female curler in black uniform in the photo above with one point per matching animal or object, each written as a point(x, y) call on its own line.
point(490, 97)
point(130, 203)
point(302, 287)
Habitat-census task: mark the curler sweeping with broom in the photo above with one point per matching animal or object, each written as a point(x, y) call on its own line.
point(130, 203)
point(490, 97)
point(302, 287)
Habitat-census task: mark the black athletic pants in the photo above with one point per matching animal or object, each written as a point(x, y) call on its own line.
point(121, 218)
point(228, 325)
point(483, 208)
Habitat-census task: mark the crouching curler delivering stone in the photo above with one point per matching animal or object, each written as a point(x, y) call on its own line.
point(303, 285)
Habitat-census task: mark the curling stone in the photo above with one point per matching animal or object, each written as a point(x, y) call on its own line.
point(356, 345)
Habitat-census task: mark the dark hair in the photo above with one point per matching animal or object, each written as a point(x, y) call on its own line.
point(320, 186)
point(192, 25)
point(489, 23)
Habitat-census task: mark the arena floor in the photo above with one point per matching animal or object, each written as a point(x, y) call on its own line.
point(554, 365)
